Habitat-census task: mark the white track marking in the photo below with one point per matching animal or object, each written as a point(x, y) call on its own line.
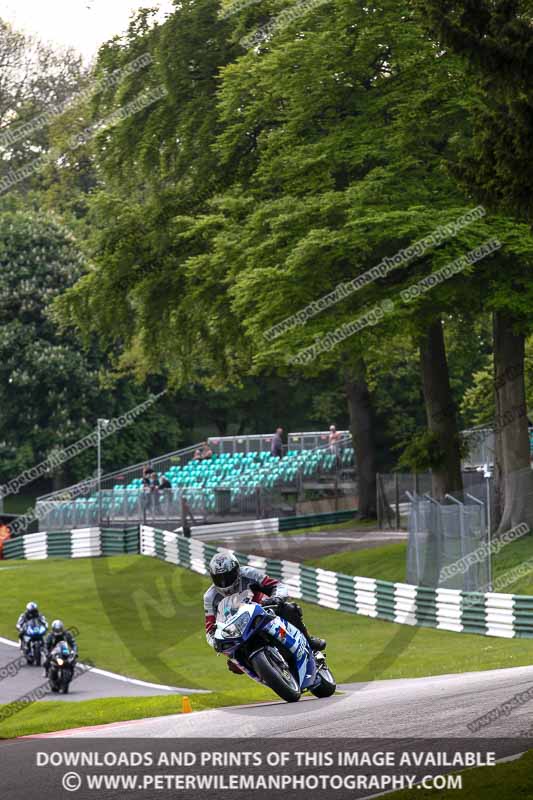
point(106, 674)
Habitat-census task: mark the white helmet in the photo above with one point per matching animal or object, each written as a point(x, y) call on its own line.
point(225, 572)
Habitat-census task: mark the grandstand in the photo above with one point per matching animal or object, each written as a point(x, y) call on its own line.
point(241, 479)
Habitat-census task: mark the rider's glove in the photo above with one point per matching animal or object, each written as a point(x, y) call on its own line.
point(270, 601)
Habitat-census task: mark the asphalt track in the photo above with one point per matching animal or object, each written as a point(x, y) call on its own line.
point(302, 546)
point(395, 709)
point(93, 684)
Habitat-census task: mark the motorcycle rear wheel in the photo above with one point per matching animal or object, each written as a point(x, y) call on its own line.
point(279, 679)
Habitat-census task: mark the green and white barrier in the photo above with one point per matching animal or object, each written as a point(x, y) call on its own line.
point(270, 525)
point(78, 543)
point(490, 614)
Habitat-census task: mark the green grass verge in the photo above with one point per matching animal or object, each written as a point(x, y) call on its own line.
point(350, 524)
point(143, 618)
point(57, 716)
point(503, 782)
point(388, 564)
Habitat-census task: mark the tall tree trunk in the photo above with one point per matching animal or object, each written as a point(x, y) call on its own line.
point(511, 424)
point(362, 428)
point(58, 479)
point(440, 411)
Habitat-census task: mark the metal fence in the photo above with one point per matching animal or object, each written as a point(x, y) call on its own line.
point(312, 440)
point(449, 543)
point(393, 490)
point(256, 443)
point(262, 442)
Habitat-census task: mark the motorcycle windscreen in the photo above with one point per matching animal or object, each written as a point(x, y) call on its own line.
point(229, 606)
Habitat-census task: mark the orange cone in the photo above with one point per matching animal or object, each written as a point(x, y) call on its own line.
point(186, 707)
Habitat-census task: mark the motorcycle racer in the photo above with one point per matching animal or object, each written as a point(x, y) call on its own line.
point(31, 613)
point(58, 633)
point(230, 578)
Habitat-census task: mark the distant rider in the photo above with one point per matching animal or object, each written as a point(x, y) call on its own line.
point(31, 614)
point(57, 634)
point(230, 578)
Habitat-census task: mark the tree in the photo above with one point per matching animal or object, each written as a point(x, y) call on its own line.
point(495, 39)
point(36, 84)
point(51, 392)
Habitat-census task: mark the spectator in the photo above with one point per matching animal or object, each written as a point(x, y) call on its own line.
point(276, 447)
point(203, 452)
point(335, 438)
point(148, 473)
point(164, 483)
point(207, 452)
point(154, 491)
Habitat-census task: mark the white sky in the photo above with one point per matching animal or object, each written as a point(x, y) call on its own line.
point(82, 24)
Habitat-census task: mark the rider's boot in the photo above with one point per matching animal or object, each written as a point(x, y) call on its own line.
point(315, 642)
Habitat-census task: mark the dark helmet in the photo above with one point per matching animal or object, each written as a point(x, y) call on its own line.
point(32, 611)
point(58, 629)
point(225, 572)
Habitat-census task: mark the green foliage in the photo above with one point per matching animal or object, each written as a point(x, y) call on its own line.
point(51, 392)
point(422, 453)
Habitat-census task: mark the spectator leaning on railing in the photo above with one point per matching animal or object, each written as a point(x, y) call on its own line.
point(276, 448)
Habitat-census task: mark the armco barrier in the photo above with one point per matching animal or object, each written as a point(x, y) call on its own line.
point(488, 614)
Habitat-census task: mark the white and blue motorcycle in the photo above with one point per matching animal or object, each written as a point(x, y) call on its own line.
point(270, 650)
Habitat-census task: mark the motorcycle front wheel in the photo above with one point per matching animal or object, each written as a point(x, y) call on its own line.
point(271, 667)
point(327, 685)
point(37, 654)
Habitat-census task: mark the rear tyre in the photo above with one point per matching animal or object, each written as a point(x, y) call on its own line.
point(274, 671)
point(327, 685)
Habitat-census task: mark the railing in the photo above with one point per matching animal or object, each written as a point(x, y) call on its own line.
point(273, 489)
point(255, 443)
point(198, 505)
point(312, 440)
point(126, 475)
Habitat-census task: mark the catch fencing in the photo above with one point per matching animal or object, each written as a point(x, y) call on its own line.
point(443, 534)
point(394, 491)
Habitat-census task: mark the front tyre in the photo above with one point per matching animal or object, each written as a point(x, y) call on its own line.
point(271, 667)
point(327, 685)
